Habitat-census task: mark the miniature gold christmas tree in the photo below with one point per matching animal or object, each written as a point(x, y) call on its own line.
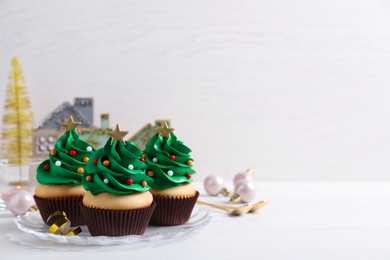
point(16, 138)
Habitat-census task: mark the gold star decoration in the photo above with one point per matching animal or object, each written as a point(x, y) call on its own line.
point(165, 131)
point(117, 135)
point(70, 125)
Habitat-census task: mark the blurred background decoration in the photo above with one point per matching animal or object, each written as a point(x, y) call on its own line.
point(295, 90)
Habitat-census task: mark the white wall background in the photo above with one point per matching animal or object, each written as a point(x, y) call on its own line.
point(298, 90)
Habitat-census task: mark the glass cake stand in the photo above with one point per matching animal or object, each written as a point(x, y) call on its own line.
point(32, 224)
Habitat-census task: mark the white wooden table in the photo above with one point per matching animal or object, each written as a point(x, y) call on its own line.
point(304, 220)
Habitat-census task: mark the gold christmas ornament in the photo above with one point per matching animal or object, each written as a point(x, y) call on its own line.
point(165, 131)
point(117, 135)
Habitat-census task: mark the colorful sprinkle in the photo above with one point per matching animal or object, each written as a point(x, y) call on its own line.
point(150, 173)
point(72, 153)
point(80, 170)
point(188, 176)
point(172, 157)
point(106, 163)
point(170, 173)
point(95, 161)
point(130, 167)
point(53, 152)
point(129, 181)
point(144, 183)
point(106, 181)
point(46, 167)
point(142, 159)
point(88, 178)
point(58, 163)
point(143, 156)
point(89, 149)
point(86, 159)
point(155, 159)
point(189, 162)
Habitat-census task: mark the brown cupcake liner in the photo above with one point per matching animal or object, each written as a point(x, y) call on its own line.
point(172, 211)
point(104, 222)
point(70, 205)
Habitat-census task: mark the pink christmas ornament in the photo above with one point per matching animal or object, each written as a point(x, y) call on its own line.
point(248, 175)
point(244, 191)
point(215, 184)
point(9, 191)
point(20, 202)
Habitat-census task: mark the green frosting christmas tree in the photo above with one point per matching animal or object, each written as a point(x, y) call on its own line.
point(168, 159)
point(68, 159)
point(117, 168)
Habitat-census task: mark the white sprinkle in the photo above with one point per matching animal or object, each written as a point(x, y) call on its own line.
point(131, 167)
point(106, 181)
point(89, 149)
point(155, 159)
point(170, 173)
point(58, 163)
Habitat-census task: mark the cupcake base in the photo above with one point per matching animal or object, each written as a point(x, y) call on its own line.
point(104, 222)
point(70, 205)
point(172, 211)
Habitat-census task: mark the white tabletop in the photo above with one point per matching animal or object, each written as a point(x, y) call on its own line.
point(303, 220)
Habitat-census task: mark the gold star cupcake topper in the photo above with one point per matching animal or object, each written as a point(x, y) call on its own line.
point(70, 125)
point(117, 135)
point(165, 131)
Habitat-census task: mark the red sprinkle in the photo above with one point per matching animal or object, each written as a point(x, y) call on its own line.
point(95, 161)
point(46, 167)
point(188, 176)
point(172, 157)
point(72, 153)
point(142, 159)
point(129, 181)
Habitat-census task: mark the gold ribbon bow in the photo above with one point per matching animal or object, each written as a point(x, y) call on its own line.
point(62, 226)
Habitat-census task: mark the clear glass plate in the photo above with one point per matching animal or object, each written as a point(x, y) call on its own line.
point(32, 223)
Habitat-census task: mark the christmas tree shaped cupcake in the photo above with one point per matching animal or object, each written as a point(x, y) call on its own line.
point(60, 177)
point(118, 201)
point(170, 166)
